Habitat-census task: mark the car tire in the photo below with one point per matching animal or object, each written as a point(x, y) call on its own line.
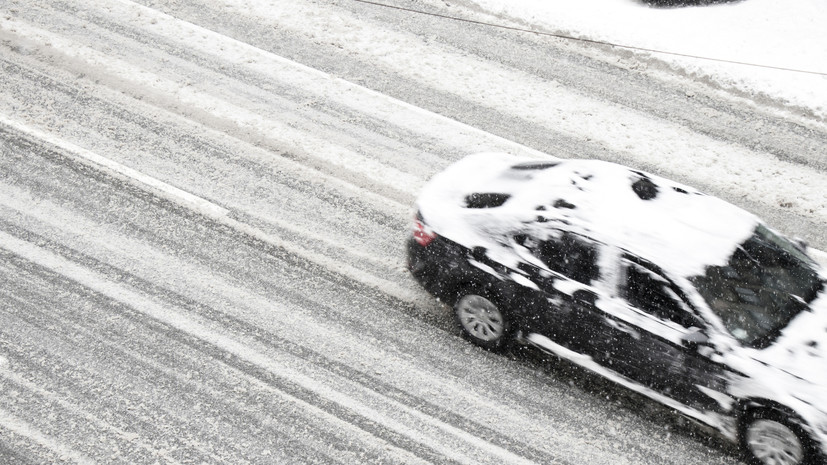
point(482, 320)
point(768, 437)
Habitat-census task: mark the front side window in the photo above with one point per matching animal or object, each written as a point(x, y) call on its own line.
point(764, 285)
point(568, 254)
point(654, 295)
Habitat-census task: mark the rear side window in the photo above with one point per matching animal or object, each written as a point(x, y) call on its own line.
point(653, 294)
point(570, 255)
point(485, 200)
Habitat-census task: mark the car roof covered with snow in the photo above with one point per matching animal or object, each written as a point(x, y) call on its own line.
point(487, 197)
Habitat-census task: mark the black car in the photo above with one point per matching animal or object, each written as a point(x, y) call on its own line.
point(674, 294)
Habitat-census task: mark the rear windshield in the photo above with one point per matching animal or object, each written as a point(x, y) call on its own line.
point(765, 284)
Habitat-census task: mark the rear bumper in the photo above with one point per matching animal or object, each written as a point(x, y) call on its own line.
point(441, 268)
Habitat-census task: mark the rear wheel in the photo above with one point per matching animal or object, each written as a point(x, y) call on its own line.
point(482, 321)
point(770, 438)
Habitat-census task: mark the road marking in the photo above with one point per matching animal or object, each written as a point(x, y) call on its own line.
point(324, 85)
point(119, 171)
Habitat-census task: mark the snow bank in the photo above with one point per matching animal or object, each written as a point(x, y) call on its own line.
point(789, 34)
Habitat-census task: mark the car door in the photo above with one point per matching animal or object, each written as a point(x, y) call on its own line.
point(659, 341)
point(564, 268)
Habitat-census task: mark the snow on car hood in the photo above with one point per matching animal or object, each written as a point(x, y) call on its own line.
point(792, 371)
point(801, 350)
point(667, 223)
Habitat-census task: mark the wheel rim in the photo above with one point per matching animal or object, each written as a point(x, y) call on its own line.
point(773, 443)
point(480, 318)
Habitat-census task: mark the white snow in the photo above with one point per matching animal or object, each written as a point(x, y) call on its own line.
point(588, 363)
point(779, 34)
point(22, 427)
point(438, 434)
point(684, 232)
point(122, 172)
point(644, 140)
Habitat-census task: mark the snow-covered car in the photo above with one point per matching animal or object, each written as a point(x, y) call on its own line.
point(674, 294)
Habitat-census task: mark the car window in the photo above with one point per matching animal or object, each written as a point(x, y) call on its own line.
point(570, 255)
point(653, 294)
point(763, 286)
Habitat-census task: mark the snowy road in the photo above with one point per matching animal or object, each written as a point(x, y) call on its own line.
point(204, 206)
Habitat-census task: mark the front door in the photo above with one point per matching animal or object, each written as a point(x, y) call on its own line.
point(657, 340)
point(563, 266)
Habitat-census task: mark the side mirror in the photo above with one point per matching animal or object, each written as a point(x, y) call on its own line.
point(694, 339)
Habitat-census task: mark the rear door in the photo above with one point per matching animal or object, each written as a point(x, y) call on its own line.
point(564, 266)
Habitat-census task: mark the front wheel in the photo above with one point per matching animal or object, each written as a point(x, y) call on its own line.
point(482, 321)
point(770, 438)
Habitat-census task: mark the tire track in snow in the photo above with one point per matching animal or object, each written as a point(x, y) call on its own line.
point(295, 180)
point(272, 341)
point(470, 408)
point(227, 321)
point(213, 212)
point(367, 416)
point(254, 69)
point(741, 180)
point(21, 427)
point(105, 344)
point(408, 114)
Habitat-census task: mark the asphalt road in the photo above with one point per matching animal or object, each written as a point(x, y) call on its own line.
point(202, 216)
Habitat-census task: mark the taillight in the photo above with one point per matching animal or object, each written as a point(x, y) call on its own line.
point(422, 233)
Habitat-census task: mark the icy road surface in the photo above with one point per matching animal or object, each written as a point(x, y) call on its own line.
point(202, 214)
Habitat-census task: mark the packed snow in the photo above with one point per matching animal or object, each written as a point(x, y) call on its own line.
point(354, 153)
point(789, 34)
